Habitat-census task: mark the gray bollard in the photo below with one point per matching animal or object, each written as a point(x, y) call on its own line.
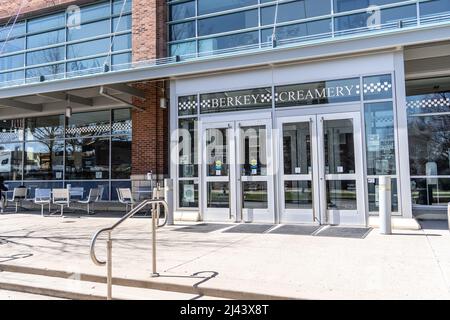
point(384, 188)
point(168, 197)
point(448, 216)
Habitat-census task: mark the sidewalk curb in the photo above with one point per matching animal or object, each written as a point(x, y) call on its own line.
point(144, 284)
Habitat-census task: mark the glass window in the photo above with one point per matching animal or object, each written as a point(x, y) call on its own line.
point(187, 148)
point(429, 145)
point(88, 124)
point(184, 48)
point(295, 11)
point(225, 42)
point(121, 157)
point(348, 5)
point(11, 76)
point(119, 4)
point(377, 87)
point(45, 39)
point(44, 128)
point(86, 64)
point(183, 10)
point(47, 22)
point(124, 24)
point(298, 195)
point(434, 7)
point(380, 138)
point(88, 30)
point(45, 56)
point(122, 42)
point(209, 6)
point(121, 121)
point(9, 31)
point(428, 103)
point(11, 130)
point(44, 160)
point(121, 61)
point(374, 193)
point(12, 62)
point(182, 31)
point(388, 16)
point(55, 71)
point(13, 45)
point(96, 11)
point(88, 48)
point(188, 194)
point(430, 191)
point(297, 148)
point(87, 158)
point(320, 27)
point(11, 161)
point(229, 22)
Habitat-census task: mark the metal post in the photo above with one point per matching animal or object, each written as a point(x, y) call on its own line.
point(154, 213)
point(448, 215)
point(168, 197)
point(109, 266)
point(385, 205)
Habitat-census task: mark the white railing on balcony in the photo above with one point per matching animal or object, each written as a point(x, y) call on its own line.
point(406, 24)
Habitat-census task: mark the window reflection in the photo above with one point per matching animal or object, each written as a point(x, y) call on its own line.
point(11, 161)
point(44, 160)
point(380, 139)
point(429, 145)
point(121, 157)
point(88, 124)
point(44, 128)
point(87, 158)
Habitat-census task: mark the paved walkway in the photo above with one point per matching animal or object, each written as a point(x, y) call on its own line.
point(406, 265)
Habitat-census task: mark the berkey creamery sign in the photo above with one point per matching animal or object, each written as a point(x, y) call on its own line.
point(323, 92)
point(292, 95)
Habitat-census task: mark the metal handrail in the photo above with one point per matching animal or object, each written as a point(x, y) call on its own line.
point(156, 205)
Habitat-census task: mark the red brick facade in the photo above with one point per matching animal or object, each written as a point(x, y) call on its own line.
point(150, 127)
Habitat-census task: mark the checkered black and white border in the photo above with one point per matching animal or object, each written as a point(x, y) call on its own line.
point(187, 105)
point(428, 103)
point(377, 87)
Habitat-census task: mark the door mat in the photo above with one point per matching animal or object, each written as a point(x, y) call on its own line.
point(305, 230)
point(344, 232)
point(204, 227)
point(249, 228)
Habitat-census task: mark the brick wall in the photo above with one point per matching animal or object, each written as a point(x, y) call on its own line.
point(150, 133)
point(150, 127)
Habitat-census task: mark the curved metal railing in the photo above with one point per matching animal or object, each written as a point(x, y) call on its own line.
point(156, 205)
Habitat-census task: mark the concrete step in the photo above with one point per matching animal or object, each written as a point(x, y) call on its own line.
point(15, 295)
point(188, 286)
point(73, 289)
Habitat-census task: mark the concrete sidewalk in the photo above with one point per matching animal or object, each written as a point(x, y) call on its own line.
point(406, 265)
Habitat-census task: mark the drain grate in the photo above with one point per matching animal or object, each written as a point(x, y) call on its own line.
point(204, 227)
point(249, 228)
point(296, 230)
point(344, 232)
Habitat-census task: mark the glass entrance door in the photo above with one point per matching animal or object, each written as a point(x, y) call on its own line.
point(255, 176)
point(321, 169)
point(237, 171)
point(341, 167)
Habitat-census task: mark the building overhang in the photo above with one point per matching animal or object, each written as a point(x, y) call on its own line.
point(79, 100)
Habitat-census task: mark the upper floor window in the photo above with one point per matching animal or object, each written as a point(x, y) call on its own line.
point(49, 45)
point(209, 6)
